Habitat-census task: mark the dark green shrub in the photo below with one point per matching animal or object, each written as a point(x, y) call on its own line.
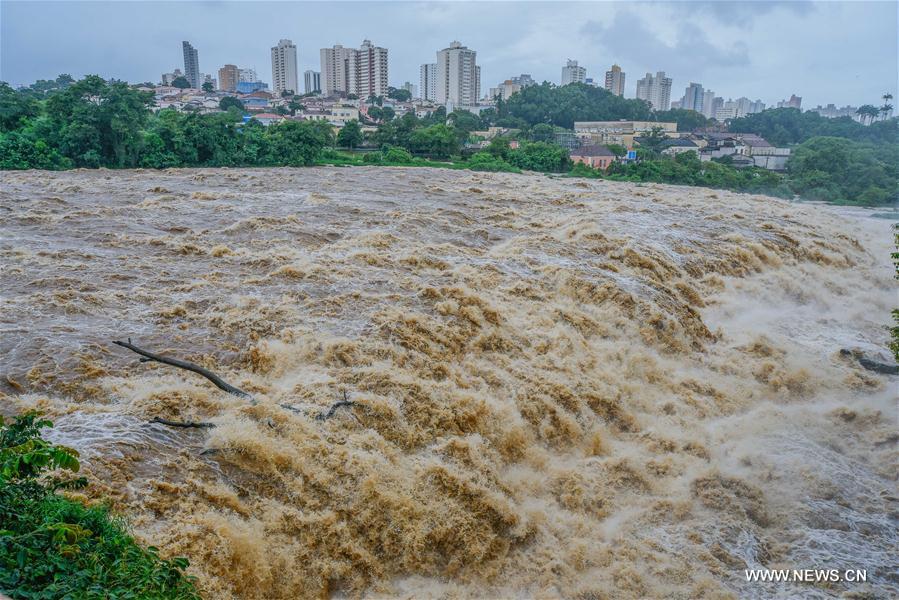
point(54, 547)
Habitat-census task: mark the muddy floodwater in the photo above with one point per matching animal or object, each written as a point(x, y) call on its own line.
point(561, 388)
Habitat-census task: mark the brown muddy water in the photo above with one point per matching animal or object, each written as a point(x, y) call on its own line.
point(563, 388)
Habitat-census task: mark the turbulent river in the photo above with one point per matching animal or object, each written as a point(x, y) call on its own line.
point(561, 388)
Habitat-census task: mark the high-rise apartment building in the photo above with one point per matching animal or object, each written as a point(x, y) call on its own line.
point(794, 102)
point(191, 65)
point(458, 76)
point(247, 75)
point(428, 82)
point(524, 80)
point(615, 80)
point(708, 102)
point(362, 72)
point(229, 76)
point(693, 98)
point(572, 73)
point(411, 88)
point(338, 70)
point(655, 89)
point(312, 81)
point(169, 78)
point(284, 67)
point(371, 78)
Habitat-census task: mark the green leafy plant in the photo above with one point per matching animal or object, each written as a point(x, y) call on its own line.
point(54, 547)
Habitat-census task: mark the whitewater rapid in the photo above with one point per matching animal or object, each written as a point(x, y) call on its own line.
point(562, 388)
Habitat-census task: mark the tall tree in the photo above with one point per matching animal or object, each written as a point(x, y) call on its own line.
point(350, 135)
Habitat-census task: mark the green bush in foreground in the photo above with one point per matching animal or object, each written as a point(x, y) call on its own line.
point(54, 547)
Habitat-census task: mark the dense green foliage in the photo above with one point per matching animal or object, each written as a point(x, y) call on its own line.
point(540, 156)
point(563, 105)
point(350, 135)
point(94, 123)
point(687, 120)
point(687, 169)
point(787, 126)
point(54, 547)
point(840, 170)
point(486, 161)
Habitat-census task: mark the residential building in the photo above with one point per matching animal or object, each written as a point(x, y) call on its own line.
point(169, 78)
point(794, 102)
point(338, 70)
point(284, 67)
point(371, 70)
point(716, 105)
point(504, 90)
point(756, 107)
point(206, 78)
point(708, 102)
point(693, 97)
point(728, 110)
point(248, 75)
point(428, 82)
point(268, 118)
point(362, 72)
point(229, 76)
point(572, 73)
point(248, 87)
point(458, 77)
point(615, 80)
point(655, 89)
point(595, 156)
point(832, 112)
point(745, 150)
point(619, 132)
point(191, 65)
point(312, 81)
point(524, 80)
point(411, 88)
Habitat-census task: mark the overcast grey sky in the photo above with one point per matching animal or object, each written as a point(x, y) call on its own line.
point(841, 52)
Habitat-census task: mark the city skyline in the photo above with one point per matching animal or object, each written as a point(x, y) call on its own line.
point(736, 48)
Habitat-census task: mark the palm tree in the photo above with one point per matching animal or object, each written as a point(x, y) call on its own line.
point(887, 107)
point(867, 112)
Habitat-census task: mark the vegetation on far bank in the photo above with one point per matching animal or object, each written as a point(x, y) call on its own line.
point(52, 546)
point(93, 123)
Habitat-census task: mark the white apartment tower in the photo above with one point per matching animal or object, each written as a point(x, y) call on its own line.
point(428, 82)
point(458, 79)
point(338, 70)
point(708, 104)
point(615, 80)
point(371, 70)
point(655, 89)
point(284, 67)
point(362, 72)
point(572, 73)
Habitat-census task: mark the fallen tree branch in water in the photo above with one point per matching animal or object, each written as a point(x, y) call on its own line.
point(339, 404)
point(188, 366)
point(186, 424)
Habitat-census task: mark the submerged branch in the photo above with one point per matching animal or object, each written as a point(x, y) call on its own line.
point(187, 366)
point(185, 424)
